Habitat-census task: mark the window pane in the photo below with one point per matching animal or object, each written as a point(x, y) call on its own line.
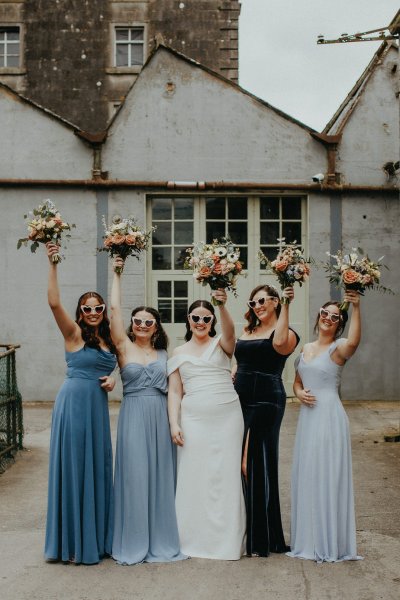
point(179, 257)
point(122, 55)
point(214, 231)
point(165, 310)
point(180, 311)
point(291, 208)
point(183, 233)
point(215, 208)
point(137, 33)
point(162, 234)
point(164, 289)
point(136, 54)
point(243, 257)
point(2, 35)
point(161, 258)
point(269, 233)
point(181, 289)
point(1, 60)
point(162, 208)
point(291, 232)
point(13, 35)
point(13, 61)
point(184, 208)
point(237, 208)
point(269, 208)
point(238, 232)
point(122, 34)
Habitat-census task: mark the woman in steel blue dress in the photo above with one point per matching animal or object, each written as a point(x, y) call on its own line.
point(80, 499)
point(145, 527)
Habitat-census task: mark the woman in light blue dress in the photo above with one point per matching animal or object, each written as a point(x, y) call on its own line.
point(145, 528)
point(323, 520)
point(80, 495)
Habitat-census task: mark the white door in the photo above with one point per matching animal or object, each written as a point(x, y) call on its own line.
point(252, 222)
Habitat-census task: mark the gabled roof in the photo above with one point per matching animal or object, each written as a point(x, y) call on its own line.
point(20, 97)
point(197, 65)
point(345, 110)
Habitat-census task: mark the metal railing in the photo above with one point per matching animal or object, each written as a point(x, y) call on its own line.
point(11, 421)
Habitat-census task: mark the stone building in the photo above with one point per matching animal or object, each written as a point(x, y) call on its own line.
point(79, 58)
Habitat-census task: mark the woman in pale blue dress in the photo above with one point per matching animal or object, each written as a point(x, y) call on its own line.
point(80, 495)
point(145, 528)
point(323, 520)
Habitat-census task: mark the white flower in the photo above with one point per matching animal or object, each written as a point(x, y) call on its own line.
point(220, 251)
point(232, 257)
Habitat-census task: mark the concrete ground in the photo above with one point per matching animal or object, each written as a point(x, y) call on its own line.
point(24, 574)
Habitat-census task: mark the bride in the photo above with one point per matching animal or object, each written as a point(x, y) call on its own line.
point(207, 426)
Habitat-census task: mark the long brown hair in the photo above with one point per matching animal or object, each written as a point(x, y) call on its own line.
point(88, 332)
point(250, 316)
point(342, 321)
point(159, 339)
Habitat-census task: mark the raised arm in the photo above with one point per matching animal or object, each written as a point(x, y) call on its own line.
point(350, 345)
point(228, 338)
point(69, 329)
point(175, 393)
point(117, 325)
point(284, 339)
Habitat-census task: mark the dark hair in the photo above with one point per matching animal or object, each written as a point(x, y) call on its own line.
point(203, 304)
point(159, 339)
point(88, 332)
point(250, 316)
point(342, 322)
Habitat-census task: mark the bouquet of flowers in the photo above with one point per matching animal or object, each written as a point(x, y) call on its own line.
point(125, 238)
point(289, 266)
point(215, 264)
point(353, 271)
point(45, 225)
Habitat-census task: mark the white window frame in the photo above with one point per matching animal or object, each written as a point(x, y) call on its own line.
point(8, 44)
point(129, 26)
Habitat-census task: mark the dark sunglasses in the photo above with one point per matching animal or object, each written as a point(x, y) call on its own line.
point(145, 322)
point(325, 314)
point(260, 301)
point(198, 319)
point(93, 310)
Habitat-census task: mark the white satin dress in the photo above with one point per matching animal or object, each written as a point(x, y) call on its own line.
point(210, 505)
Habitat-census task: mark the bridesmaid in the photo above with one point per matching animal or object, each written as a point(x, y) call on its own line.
point(261, 353)
point(79, 514)
point(323, 521)
point(145, 528)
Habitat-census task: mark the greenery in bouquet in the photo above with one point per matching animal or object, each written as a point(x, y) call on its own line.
point(216, 264)
point(45, 225)
point(355, 271)
point(290, 266)
point(125, 238)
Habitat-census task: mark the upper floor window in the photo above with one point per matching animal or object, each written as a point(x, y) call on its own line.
point(129, 46)
point(9, 47)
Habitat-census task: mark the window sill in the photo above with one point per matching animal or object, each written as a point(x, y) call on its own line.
point(124, 70)
point(12, 71)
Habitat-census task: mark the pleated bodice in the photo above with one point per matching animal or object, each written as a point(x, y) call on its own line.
point(142, 380)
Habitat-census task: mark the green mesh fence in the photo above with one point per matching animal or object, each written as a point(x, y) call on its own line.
point(11, 422)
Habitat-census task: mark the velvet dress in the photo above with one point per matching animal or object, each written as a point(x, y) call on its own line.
point(262, 396)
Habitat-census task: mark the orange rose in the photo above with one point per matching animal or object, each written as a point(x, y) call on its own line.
point(130, 239)
point(350, 276)
point(108, 242)
point(218, 268)
point(118, 239)
point(205, 272)
point(281, 265)
point(238, 266)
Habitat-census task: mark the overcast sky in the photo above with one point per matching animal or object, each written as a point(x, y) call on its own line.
point(280, 61)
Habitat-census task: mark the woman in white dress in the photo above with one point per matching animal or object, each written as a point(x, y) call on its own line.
point(323, 521)
point(207, 426)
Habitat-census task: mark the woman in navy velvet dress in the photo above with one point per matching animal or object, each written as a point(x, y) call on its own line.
point(80, 496)
point(261, 353)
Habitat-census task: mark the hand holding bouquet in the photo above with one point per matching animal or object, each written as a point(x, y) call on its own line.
point(124, 238)
point(354, 272)
point(289, 266)
point(45, 225)
point(215, 264)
